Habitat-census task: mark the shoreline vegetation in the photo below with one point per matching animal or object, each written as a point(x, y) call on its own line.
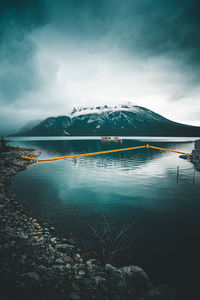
point(36, 264)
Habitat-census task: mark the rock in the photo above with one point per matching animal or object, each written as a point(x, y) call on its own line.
point(77, 256)
point(99, 280)
point(91, 261)
point(42, 268)
point(134, 272)
point(68, 266)
point(109, 268)
point(135, 276)
point(32, 275)
point(58, 267)
point(53, 240)
point(67, 258)
point(195, 157)
point(129, 278)
point(81, 266)
point(58, 261)
point(114, 271)
point(81, 273)
point(64, 247)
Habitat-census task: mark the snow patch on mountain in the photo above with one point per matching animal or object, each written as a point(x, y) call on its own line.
point(115, 113)
point(81, 111)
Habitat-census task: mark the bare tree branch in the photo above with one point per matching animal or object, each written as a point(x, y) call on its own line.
point(110, 240)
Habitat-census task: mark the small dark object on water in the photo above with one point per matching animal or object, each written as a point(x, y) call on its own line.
point(185, 156)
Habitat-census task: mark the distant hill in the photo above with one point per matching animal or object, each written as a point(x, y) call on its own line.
point(29, 125)
point(123, 120)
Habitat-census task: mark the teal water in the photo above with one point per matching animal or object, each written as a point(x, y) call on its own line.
point(133, 186)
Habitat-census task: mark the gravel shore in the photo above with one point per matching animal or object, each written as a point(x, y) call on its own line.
point(36, 264)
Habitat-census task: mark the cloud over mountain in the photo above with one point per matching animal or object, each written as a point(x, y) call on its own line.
point(57, 53)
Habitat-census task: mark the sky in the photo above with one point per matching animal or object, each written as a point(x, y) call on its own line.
point(57, 54)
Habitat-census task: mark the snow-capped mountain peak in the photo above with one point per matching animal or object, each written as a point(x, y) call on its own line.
point(123, 120)
point(79, 111)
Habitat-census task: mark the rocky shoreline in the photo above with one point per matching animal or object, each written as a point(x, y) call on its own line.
point(36, 264)
point(195, 157)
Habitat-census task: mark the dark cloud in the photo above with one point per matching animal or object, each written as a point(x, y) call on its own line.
point(143, 27)
point(140, 29)
point(27, 13)
point(18, 69)
point(168, 28)
point(85, 20)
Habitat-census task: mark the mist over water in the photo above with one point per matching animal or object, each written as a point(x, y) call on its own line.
point(131, 186)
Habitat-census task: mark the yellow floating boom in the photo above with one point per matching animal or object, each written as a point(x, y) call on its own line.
point(81, 155)
point(180, 152)
point(101, 152)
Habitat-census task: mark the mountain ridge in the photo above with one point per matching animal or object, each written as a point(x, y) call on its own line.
point(122, 120)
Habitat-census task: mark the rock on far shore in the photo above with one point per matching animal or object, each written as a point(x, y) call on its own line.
point(195, 157)
point(36, 264)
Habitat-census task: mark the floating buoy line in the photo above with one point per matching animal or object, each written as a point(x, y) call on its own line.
point(35, 160)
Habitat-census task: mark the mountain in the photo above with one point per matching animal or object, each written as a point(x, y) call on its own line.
point(29, 126)
point(123, 120)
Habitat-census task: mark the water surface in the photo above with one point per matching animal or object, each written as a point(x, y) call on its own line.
point(132, 186)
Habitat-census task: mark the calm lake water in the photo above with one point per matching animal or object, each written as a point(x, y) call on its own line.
point(132, 186)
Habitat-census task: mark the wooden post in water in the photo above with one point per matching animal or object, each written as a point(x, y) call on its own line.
point(193, 181)
point(177, 174)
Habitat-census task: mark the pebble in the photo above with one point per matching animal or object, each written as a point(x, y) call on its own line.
point(68, 266)
point(77, 256)
point(81, 272)
point(53, 240)
point(64, 247)
point(59, 261)
point(67, 258)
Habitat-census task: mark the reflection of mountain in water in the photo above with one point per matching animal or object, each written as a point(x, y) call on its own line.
point(125, 159)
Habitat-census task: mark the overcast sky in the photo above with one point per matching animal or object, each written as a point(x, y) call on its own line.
point(56, 54)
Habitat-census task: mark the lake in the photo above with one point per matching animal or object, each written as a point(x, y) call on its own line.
point(138, 186)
